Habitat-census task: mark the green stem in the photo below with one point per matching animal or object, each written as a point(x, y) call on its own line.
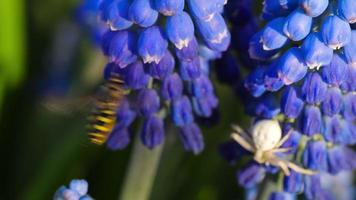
point(266, 188)
point(141, 172)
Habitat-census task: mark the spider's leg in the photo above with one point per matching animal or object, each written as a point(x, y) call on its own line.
point(280, 150)
point(243, 133)
point(300, 169)
point(245, 144)
point(284, 139)
point(273, 160)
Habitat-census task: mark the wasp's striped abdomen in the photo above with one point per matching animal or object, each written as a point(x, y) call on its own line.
point(103, 118)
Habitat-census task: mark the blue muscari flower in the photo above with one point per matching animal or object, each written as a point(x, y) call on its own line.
point(311, 120)
point(349, 50)
point(349, 110)
point(314, 89)
point(181, 111)
point(152, 132)
point(135, 76)
point(190, 70)
point(273, 36)
point(281, 196)
point(152, 44)
point(204, 10)
point(115, 14)
point(314, 8)
point(273, 78)
point(141, 12)
point(336, 130)
point(169, 7)
point(77, 190)
point(256, 50)
point(291, 67)
point(192, 138)
point(291, 104)
point(119, 138)
point(180, 29)
point(335, 72)
point(264, 107)
point(349, 84)
point(335, 32)
point(172, 87)
point(297, 25)
point(347, 9)
point(188, 53)
point(255, 82)
point(339, 159)
point(315, 155)
point(333, 102)
point(164, 68)
point(149, 102)
point(251, 175)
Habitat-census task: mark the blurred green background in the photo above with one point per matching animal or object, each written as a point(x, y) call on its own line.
point(49, 67)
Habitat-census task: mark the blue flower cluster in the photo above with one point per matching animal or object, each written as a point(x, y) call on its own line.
point(306, 52)
point(77, 191)
point(162, 49)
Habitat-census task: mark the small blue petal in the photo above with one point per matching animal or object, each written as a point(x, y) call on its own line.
point(349, 84)
point(272, 79)
point(70, 195)
point(172, 87)
point(115, 13)
point(125, 116)
point(311, 121)
point(333, 101)
point(142, 13)
point(347, 9)
point(190, 69)
point(80, 186)
point(152, 44)
point(251, 175)
point(265, 107)
point(291, 67)
point(315, 155)
point(164, 68)
point(180, 29)
point(315, 52)
point(118, 139)
point(273, 8)
point(336, 72)
point(291, 104)
point(148, 102)
point(192, 138)
point(297, 25)
point(312, 187)
point(189, 52)
point(134, 76)
point(349, 110)
point(254, 82)
point(313, 89)
point(336, 130)
point(335, 32)
point(181, 111)
point(256, 50)
point(204, 106)
point(169, 7)
point(272, 36)
point(314, 8)
point(281, 196)
point(350, 49)
point(152, 133)
point(202, 87)
point(120, 47)
point(341, 158)
point(202, 9)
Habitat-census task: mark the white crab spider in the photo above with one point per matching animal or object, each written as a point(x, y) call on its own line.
point(265, 142)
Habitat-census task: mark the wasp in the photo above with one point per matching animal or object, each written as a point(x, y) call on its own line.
point(106, 104)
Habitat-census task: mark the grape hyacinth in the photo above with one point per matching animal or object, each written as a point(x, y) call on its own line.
point(162, 49)
point(305, 57)
point(77, 190)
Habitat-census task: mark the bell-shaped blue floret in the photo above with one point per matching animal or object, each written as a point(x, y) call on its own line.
point(214, 32)
point(272, 79)
point(311, 121)
point(341, 158)
point(180, 29)
point(273, 36)
point(256, 50)
point(148, 102)
point(281, 196)
point(152, 45)
point(254, 82)
point(169, 7)
point(190, 70)
point(125, 115)
point(315, 155)
point(350, 49)
point(80, 186)
point(291, 67)
point(141, 12)
point(181, 111)
point(204, 10)
point(336, 72)
point(251, 175)
point(333, 102)
point(120, 47)
point(114, 13)
point(293, 183)
point(335, 32)
point(315, 52)
point(203, 107)
point(347, 9)
point(313, 89)
point(349, 84)
point(349, 110)
point(134, 76)
point(189, 52)
point(314, 8)
point(336, 130)
point(265, 107)
point(192, 138)
point(297, 25)
point(164, 68)
point(172, 87)
point(118, 139)
point(152, 133)
point(273, 8)
point(291, 104)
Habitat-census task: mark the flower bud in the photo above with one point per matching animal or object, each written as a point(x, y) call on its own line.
point(189, 70)
point(347, 9)
point(254, 82)
point(169, 7)
point(336, 72)
point(349, 111)
point(313, 89)
point(189, 52)
point(172, 87)
point(152, 133)
point(291, 105)
point(251, 175)
point(297, 25)
point(142, 13)
point(152, 45)
point(134, 76)
point(256, 50)
point(336, 130)
point(311, 121)
point(273, 36)
point(192, 138)
point(125, 116)
point(148, 102)
point(350, 49)
point(314, 156)
point(314, 8)
point(181, 111)
point(164, 68)
point(204, 10)
point(335, 32)
point(180, 29)
point(333, 102)
point(281, 196)
point(115, 14)
point(291, 67)
point(339, 159)
point(80, 186)
point(118, 139)
point(293, 183)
